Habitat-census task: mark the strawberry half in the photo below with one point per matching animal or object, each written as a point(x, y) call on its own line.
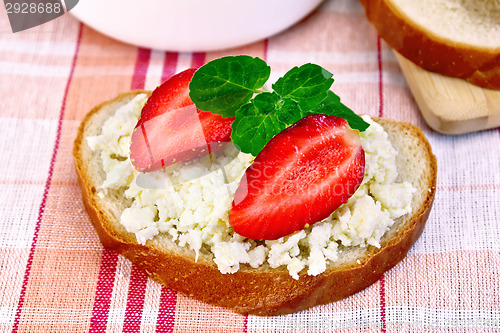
point(171, 129)
point(300, 177)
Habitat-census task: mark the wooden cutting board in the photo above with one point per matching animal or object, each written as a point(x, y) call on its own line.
point(450, 105)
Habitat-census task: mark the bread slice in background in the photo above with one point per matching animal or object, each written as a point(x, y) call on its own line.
point(456, 38)
point(262, 291)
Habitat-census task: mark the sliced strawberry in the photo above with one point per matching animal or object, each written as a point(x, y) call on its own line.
point(171, 129)
point(300, 177)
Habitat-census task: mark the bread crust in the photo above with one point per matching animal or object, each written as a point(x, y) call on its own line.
point(477, 65)
point(263, 291)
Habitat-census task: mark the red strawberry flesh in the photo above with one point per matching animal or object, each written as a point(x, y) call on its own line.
point(171, 129)
point(300, 177)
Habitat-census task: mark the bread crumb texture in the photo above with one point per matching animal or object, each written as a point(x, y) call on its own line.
point(471, 22)
point(188, 203)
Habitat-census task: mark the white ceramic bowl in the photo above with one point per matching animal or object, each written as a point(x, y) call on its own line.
point(191, 25)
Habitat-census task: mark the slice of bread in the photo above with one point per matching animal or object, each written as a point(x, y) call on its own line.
point(263, 290)
point(457, 38)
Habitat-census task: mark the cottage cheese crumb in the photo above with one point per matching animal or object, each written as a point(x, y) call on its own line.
point(229, 255)
point(295, 266)
point(114, 143)
point(385, 194)
point(189, 203)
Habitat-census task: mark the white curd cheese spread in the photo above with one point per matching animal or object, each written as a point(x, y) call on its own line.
point(189, 202)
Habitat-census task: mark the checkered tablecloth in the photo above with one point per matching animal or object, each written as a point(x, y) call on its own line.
point(56, 277)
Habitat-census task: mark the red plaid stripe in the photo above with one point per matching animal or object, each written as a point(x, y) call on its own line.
point(48, 184)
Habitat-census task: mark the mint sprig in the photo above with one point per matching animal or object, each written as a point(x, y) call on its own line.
point(231, 87)
point(223, 85)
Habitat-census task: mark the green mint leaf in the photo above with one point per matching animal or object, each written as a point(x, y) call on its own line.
point(332, 106)
point(223, 85)
point(257, 122)
point(266, 102)
point(307, 84)
point(289, 111)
